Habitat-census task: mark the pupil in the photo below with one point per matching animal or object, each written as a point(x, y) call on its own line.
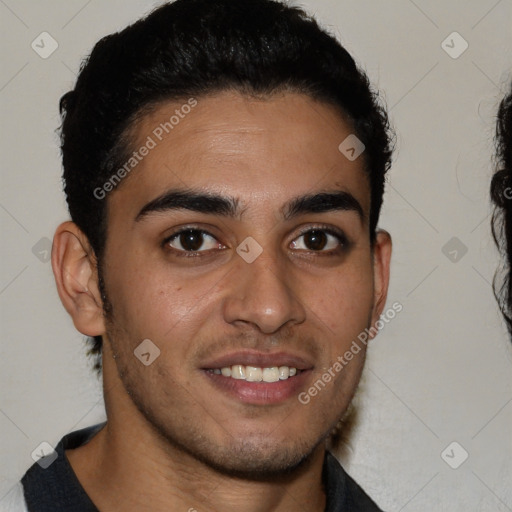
point(316, 240)
point(191, 240)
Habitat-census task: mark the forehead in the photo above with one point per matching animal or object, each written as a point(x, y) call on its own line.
point(262, 151)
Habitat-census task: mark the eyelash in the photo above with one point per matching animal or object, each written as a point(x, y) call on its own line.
point(329, 230)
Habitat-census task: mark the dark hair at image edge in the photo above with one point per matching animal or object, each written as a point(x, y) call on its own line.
point(501, 195)
point(193, 48)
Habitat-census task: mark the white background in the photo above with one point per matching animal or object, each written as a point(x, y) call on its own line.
point(440, 372)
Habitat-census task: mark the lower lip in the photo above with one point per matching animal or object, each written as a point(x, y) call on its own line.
point(259, 393)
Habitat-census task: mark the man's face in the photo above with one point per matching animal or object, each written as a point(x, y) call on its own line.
point(208, 308)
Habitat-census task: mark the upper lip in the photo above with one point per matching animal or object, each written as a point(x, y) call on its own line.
point(259, 359)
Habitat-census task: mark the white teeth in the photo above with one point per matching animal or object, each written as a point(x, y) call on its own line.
point(255, 373)
point(271, 374)
point(226, 371)
point(284, 372)
point(238, 371)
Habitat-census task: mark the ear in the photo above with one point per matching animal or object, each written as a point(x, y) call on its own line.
point(75, 269)
point(381, 264)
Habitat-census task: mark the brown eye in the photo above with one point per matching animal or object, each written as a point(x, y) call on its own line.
point(315, 240)
point(320, 240)
point(191, 240)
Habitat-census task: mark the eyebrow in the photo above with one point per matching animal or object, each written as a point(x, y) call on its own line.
point(228, 206)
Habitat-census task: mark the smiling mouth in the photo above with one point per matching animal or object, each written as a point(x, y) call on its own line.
point(256, 373)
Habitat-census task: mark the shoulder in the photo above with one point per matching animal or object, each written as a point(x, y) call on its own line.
point(51, 484)
point(342, 491)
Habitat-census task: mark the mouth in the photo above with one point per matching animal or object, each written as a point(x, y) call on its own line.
point(257, 378)
point(256, 373)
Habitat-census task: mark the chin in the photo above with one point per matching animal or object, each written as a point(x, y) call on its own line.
point(256, 457)
point(255, 461)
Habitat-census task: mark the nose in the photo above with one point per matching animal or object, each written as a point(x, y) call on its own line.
point(263, 294)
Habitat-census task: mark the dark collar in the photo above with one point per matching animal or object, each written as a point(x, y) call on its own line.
point(58, 488)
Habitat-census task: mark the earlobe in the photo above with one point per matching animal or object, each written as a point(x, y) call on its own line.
point(381, 270)
point(75, 269)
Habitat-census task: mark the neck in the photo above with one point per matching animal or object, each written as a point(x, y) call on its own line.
point(128, 465)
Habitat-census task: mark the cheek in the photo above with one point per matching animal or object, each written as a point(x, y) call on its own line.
point(344, 302)
point(153, 301)
point(344, 308)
